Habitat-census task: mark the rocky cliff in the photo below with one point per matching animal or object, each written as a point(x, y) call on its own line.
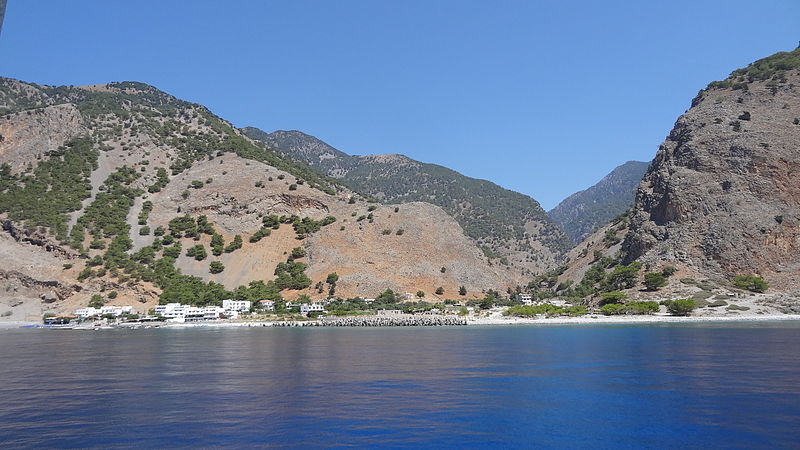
point(723, 193)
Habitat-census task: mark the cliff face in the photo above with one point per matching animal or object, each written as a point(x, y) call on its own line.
point(723, 193)
point(583, 212)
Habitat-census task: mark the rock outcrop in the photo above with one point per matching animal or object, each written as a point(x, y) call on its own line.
point(723, 193)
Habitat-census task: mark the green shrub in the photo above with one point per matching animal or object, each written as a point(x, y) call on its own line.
point(681, 307)
point(654, 280)
point(197, 252)
point(753, 284)
point(234, 245)
point(612, 297)
point(737, 308)
point(668, 271)
point(216, 267)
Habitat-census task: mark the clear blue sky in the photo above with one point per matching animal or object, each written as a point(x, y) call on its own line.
point(541, 97)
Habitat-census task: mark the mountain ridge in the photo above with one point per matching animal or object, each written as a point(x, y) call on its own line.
point(584, 211)
point(510, 225)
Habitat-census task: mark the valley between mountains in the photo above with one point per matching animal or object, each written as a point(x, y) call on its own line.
point(122, 188)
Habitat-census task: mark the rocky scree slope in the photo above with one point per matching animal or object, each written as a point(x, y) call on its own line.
point(511, 227)
point(123, 192)
point(722, 195)
point(583, 212)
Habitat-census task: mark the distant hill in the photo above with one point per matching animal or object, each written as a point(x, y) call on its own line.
point(583, 212)
point(508, 225)
point(122, 194)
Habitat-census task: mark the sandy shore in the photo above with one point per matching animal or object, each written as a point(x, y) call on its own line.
point(656, 318)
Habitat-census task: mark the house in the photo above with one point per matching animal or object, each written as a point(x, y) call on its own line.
point(267, 305)
point(369, 301)
point(236, 305)
point(115, 311)
point(307, 308)
point(526, 299)
point(186, 313)
point(89, 311)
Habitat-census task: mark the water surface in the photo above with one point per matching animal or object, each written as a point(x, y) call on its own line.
point(687, 385)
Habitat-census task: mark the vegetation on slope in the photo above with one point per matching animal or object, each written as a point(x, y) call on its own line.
point(583, 212)
point(493, 216)
point(43, 196)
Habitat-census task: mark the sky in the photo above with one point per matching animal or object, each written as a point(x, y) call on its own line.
point(542, 97)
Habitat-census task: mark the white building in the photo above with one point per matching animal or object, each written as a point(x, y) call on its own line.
point(525, 298)
point(87, 312)
point(115, 311)
point(187, 313)
point(236, 305)
point(307, 308)
point(268, 305)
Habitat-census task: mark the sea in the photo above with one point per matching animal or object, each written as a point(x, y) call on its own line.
point(726, 385)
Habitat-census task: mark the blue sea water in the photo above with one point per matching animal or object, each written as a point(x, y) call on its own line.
point(664, 386)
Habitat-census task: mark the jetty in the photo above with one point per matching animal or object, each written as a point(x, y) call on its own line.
point(398, 320)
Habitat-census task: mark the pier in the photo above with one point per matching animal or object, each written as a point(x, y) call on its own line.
point(400, 320)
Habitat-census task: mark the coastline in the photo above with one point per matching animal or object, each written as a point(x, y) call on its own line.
point(590, 319)
point(494, 320)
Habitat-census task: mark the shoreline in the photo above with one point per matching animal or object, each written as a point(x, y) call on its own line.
point(627, 320)
point(483, 321)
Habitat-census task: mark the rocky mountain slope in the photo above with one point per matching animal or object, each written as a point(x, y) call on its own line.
point(723, 193)
point(717, 215)
point(510, 226)
point(583, 212)
point(124, 194)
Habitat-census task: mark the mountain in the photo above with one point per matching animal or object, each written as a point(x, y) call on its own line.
point(722, 195)
point(583, 212)
point(510, 226)
point(120, 193)
point(719, 201)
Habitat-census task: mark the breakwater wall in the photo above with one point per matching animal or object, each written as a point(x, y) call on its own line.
point(379, 321)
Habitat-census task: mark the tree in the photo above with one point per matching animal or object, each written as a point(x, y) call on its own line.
point(235, 245)
point(420, 294)
point(96, 301)
point(388, 296)
point(682, 307)
point(198, 252)
point(612, 297)
point(217, 244)
point(299, 252)
point(216, 267)
point(654, 280)
point(462, 290)
point(753, 284)
point(332, 278)
point(623, 277)
point(112, 295)
point(439, 290)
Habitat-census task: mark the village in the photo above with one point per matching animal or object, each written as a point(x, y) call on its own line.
point(290, 313)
